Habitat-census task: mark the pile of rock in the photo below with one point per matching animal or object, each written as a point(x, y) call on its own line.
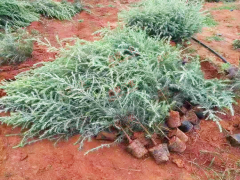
point(175, 127)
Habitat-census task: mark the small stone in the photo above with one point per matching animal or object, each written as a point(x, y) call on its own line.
point(184, 61)
point(232, 72)
point(106, 136)
point(214, 138)
point(19, 156)
point(3, 158)
point(23, 157)
point(197, 127)
point(234, 139)
point(178, 162)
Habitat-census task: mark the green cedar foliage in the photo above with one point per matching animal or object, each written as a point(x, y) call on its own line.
point(20, 13)
point(96, 85)
point(60, 10)
point(15, 47)
point(166, 18)
point(16, 13)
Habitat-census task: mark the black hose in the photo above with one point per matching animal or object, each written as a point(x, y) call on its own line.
point(214, 52)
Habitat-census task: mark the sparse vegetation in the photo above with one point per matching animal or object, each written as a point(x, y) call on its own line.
point(227, 7)
point(209, 21)
point(173, 18)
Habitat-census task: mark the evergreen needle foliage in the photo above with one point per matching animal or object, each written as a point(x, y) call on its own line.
point(166, 18)
point(15, 47)
point(20, 13)
point(60, 10)
point(16, 13)
point(96, 85)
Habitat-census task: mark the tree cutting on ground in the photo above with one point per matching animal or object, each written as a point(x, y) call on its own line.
point(94, 86)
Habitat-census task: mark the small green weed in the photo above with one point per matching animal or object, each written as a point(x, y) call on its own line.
point(111, 5)
point(100, 5)
point(224, 67)
point(191, 50)
point(236, 44)
point(238, 163)
point(209, 21)
point(215, 38)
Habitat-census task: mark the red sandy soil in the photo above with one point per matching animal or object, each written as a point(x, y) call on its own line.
point(207, 147)
point(228, 27)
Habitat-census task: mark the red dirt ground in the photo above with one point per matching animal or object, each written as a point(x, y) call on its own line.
point(207, 147)
point(228, 27)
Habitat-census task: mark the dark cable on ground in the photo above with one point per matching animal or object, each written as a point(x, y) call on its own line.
point(210, 49)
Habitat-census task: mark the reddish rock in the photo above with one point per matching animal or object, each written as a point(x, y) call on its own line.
point(23, 157)
point(174, 120)
point(106, 136)
point(178, 162)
